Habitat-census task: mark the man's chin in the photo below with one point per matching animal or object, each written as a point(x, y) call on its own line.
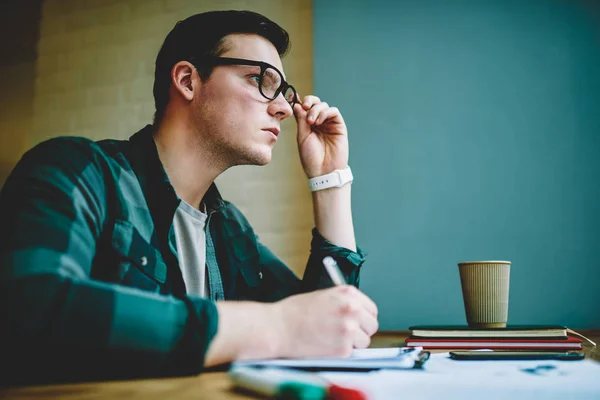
point(258, 158)
point(264, 160)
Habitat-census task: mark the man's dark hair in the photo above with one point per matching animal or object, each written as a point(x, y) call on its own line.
point(202, 35)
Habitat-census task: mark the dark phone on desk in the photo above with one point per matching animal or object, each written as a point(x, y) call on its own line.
point(516, 355)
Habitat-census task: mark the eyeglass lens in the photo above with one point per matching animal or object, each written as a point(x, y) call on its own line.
point(270, 83)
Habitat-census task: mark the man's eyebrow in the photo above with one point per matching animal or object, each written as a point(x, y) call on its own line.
point(248, 66)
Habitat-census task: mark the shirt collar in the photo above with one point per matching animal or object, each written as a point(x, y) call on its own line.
point(153, 178)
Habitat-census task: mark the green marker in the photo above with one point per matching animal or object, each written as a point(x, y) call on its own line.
point(280, 383)
point(290, 384)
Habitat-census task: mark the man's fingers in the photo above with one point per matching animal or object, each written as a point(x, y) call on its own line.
point(303, 127)
point(366, 320)
point(309, 101)
point(368, 304)
point(368, 323)
point(361, 309)
point(352, 331)
point(331, 113)
point(299, 112)
point(316, 111)
point(363, 299)
point(361, 340)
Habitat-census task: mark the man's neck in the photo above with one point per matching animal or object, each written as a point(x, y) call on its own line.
point(189, 166)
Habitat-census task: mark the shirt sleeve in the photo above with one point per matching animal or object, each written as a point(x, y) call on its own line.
point(350, 263)
point(282, 282)
point(59, 324)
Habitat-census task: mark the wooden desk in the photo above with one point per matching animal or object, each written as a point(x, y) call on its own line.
point(214, 385)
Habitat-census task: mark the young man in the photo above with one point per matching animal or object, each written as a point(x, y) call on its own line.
point(119, 259)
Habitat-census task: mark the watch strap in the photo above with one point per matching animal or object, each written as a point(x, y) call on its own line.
point(337, 178)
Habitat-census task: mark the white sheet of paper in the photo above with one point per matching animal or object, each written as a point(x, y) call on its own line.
point(365, 358)
point(445, 378)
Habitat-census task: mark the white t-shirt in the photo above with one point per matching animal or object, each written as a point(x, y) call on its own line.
point(190, 224)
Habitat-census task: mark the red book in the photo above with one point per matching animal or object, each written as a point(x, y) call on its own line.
point(570, 343)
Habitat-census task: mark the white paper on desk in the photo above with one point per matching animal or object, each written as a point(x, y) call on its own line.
point(445, 378)
point(389, 358)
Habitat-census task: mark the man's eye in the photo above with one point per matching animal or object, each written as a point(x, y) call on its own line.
point(255, 78)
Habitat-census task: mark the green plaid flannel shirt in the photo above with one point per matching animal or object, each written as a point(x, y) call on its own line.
point(90, 283)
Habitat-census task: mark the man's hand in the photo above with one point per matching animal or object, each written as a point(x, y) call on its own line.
point(329, 322)
point(322, 137)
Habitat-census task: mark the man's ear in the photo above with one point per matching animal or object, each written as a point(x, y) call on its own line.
point(181, 77)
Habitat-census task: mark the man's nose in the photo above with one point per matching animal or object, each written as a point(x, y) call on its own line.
point(280, 108)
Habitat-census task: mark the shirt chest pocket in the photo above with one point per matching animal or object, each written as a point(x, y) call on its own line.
point(246, 258)
point(140, 264)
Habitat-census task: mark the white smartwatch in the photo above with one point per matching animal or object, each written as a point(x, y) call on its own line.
point(337, 178)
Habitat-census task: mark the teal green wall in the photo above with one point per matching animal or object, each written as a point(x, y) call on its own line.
point(475, 134)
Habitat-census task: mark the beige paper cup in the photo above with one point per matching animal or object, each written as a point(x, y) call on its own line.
point(485, 292)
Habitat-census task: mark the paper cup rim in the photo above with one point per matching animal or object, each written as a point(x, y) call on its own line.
point(484, 262)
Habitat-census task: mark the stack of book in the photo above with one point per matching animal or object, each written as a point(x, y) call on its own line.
point(515, 337)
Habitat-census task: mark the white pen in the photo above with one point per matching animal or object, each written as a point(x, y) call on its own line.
point(334, 271)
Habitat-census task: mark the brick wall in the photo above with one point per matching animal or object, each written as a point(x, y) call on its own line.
point(94, 76)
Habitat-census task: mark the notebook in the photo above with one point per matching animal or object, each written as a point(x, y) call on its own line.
point(445, 378)
point(571, 343)
point(511, 331)
point(360, 360)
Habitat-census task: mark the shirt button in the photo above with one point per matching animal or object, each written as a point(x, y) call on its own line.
point(260, 275)
point(144, 261)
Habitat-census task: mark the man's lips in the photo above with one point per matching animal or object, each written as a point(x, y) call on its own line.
point(275, 131)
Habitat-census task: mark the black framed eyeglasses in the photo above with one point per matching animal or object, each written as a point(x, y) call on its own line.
point(270, 80)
